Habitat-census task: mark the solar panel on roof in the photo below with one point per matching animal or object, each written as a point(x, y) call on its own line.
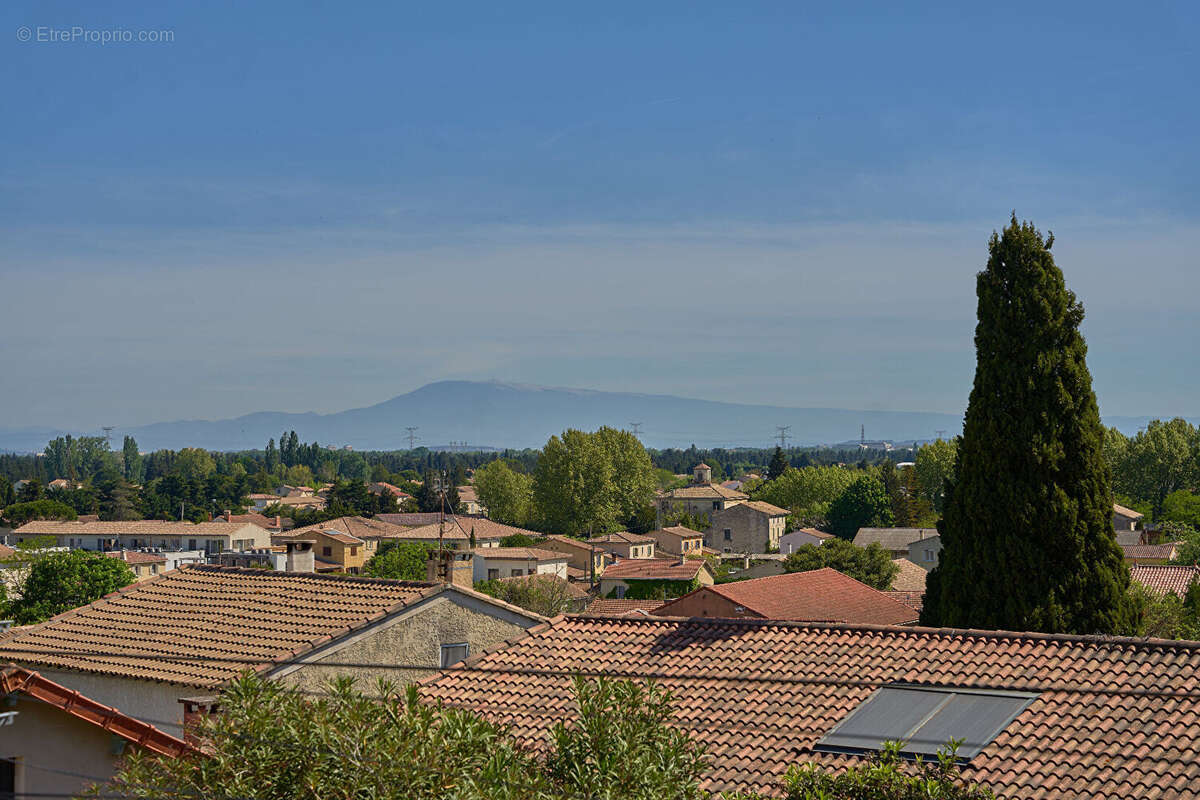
point(925, 719)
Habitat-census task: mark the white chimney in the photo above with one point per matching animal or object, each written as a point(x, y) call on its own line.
point(300, 556)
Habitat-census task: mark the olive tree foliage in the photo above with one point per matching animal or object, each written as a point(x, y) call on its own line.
point(273, 742)
point(506, 493)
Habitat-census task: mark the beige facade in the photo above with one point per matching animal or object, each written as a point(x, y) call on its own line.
point(746, 528)
point(211, 537)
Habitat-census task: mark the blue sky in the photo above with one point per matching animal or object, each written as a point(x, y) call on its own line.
point(319, 208)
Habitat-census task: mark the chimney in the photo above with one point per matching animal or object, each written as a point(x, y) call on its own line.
point(451, 566)
point(300, 556)
point(195, 711)
point(278, 522)
point(228, 515)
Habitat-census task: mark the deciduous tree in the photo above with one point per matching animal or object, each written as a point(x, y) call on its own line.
point(864, 504)
point(872, 564)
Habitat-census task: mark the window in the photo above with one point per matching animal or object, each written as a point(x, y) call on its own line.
point(191, 544)
point(493, 574)
point(925, 718)
point(8, 778)
point(327, 551)
point(516, 573)
point(728, 535)
point(454, 653)
point(620, 591)
point(929, 555)
point(353, 550)
point(716, 505)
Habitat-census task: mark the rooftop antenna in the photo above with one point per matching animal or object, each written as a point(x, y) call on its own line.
point(412, 436)
point(637, 428)
point(108, 429)
point(783, 435)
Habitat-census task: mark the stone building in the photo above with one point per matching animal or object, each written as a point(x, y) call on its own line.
point(749, 527)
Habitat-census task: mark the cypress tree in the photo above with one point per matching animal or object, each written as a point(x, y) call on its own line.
point(1027, 537)
point(779, 464)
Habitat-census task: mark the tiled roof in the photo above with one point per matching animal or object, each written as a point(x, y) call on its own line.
point(819, 594)
point(360, 527)
point(1127, 512)
point(1116, 718)
point(680, 532)
point(813, 532)
point(201, 625)
point(143, 527)
point(766, 508)
point(914, 600)
point(1165, 551)
point(7, 552)
point(396, 491)
point(17, 680)
point(136, 557)
point(621, 537)
point(253, 519)
point(664, 569)
point(707, 491)
point(577, 544)
point(459, 528)
point(1164, 578)
point(411, 519)
point(892, 538)
point(613, 607)
point(519, 554)
point(910, 578)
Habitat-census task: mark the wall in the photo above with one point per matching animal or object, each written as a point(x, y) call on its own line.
point(750, 531)
point(414, 636)
point(704, 603)
point(789, 542)
point(527, 567)
point(917, 552)
point(150, 701)
point(43, 735)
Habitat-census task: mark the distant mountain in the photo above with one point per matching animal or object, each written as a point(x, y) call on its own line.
point(494, 414)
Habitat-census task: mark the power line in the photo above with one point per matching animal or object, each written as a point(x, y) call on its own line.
point(637, 428)
point(782, 435)
point(412, 435)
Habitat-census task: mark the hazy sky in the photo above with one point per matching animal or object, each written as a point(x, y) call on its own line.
point(296, 209)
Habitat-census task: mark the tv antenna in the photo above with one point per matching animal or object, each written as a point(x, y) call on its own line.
point(412, 436)
point(783, 435)
point(108, 429)
point(637, 428)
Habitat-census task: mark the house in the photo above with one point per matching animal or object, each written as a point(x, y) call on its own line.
point(702, 497)
point(379, 487)
point(926, 552)
point(60, 741)
point(211, 537)
point(191, 631)
point(895, 540)
point(1164, 579)
point(790, 542)
point(62, 484)
point(261, 500)
point(303, 502)
point(144, 565)
point(612, 607)
point(461, 533)
point(1150, 553)
point(275, 524)
point(675, 541)
point(469, 499)
point(1040, 716)
point(584, 561)
point(662, 577)
point(1126, 519)
point(493, 563)
point(333, 549)
point(817, 595)
point(414, 519)
point(294, 491)
point(625, 545)
point(370, 530)
point(749, 527)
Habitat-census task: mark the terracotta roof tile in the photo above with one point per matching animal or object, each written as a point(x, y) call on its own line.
point(1165, 551)
point(664, 569)
point(707, 491)
point(142, 527)
point(202, 625)
point(358, 527)
point(819, 594)
point(910, 578)
point(610, 606)
point(766, 508)
point(892, 538)
point(519, 553)
point(1116, 718)
point(459, 528)
point(1164, 578)
point(136, 557)
point(621, 537)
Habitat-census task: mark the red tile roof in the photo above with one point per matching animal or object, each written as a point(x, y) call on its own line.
point(202, 625)
point(1116, 718)
point(654, 569)
point(706, 491)
point(914, 600)
point(17, 680)
point(621, 537)
point(1164, 578)
point(910, 578)
point(135, 557)
point(1164, 551)
point(813, 532)
point(819, 594)
point(459, 528)
point(619, 607)
point(359, 527)
point(766, 508)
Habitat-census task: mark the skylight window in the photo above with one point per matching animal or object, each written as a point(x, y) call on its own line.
point(925, 719)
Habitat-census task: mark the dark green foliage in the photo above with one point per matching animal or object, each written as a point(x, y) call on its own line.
point(403, 561)
point(864, 504)
point(1183, 507)
point(30, 492)
point(1166, 616)
point(1027, 536)
point(779, 464)
point(871, 565)
point(131, 461)
point(118, 500)
point(60, 581)
point(903, 505)
point(19, 513)
point(518, 540)
point(272, 742)
point(887, 776)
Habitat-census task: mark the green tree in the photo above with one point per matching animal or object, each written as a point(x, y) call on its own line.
point(1027, 538)
point(299, 475)
point(807, 491)
point(507, 494)
point(31, 491)
point(779, 464)
point(1183, 507)
point(1160, 460)
point(573, 485)
point(871, 565)
point(404, 561)
point(632, 473)
point(902, 504)
point(19, 513)
point(934, 465)
point(271, 457)
point(864, 504)
point(548, 595)
point(118, 500)
point(193, 464)
point(61, 581)
point(131, 461)
point(1116, 445)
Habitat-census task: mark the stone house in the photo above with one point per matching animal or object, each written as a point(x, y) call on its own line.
point(60, 736)
point(895, 540)
point(670, 576)
point(191, 631)
point(625, 545)
point(926, 552)
point(583, 560)
point(144, 565)
point(701, 498)
point(676, 541)
point(749, 527)
point(1126, 519)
